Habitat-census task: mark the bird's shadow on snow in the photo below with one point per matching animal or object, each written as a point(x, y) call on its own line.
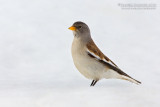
point(105, 83)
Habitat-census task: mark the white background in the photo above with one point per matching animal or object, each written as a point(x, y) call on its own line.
point(36, 68)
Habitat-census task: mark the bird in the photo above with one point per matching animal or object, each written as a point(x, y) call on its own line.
point(90, 61)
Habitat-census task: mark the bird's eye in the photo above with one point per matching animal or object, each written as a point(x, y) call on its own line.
point(79, 27)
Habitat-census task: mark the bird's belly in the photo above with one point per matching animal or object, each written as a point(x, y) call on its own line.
point(88, 67)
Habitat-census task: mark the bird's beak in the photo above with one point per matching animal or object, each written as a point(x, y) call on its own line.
point(72, 28)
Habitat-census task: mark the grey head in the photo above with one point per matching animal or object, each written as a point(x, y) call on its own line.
point(80, 30)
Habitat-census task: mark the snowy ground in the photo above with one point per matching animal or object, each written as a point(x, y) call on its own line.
point(36, 68)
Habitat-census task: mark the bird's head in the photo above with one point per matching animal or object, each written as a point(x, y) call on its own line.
point(80, 29)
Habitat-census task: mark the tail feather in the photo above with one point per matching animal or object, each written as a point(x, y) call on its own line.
point(128, 78)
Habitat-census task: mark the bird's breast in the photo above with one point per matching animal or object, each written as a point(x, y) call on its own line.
point(86, 65)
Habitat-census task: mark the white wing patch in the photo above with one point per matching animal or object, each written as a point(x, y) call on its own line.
point(109, 62)
point(96, 56)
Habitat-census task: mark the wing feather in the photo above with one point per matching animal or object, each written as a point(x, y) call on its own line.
point(95, 51)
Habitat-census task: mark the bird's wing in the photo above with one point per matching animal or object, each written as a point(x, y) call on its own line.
point(93, 50)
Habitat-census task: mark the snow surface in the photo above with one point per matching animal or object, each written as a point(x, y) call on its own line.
point(36, 68)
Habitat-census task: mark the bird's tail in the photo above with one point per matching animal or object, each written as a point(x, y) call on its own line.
point(128, 78)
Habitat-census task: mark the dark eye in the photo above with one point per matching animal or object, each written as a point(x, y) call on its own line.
point(79, 27)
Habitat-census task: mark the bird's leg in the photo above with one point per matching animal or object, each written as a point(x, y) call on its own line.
point(93, 82)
